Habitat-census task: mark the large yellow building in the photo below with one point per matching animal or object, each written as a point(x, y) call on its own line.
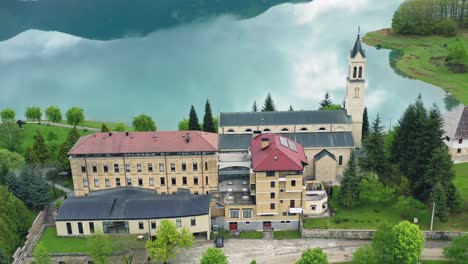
point(162, 161)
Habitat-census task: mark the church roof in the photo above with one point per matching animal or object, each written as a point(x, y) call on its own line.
point(323, 154)
point(284, 118)
point(456, 123)
point(357, 48)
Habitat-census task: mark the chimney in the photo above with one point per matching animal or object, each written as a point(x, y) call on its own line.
point(187, 138)
point(110, 134)
point(126, 133)
point(265, 143)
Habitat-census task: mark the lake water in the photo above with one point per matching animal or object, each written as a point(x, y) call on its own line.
point(295, 51)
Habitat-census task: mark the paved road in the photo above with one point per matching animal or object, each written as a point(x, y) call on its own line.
point(243, 251)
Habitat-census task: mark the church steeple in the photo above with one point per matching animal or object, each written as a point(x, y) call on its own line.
point(357, 46)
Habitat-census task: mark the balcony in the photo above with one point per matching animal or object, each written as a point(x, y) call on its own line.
point(316, 197)
point(295, 210)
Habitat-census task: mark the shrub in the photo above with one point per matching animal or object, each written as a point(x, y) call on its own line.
point(446, 27)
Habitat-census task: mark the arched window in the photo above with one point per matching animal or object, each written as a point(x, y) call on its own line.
point(354, 72)
point(340, 160)
point(360, 72)
point(322, 129)
point(356, 92)
point(285, 130)
point(231, 131)
point(304, 129)
point(248, 130)
point(266, 130)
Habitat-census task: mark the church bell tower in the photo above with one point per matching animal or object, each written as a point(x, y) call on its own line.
point(356, 88)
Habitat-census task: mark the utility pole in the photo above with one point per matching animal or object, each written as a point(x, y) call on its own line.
point(432, 218)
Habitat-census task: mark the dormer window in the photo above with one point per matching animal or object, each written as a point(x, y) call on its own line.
point(322, 129)
point(284, 130)
point(460, 141)
point(231, 131)
point(304, 129)
point(266, 130)
point(248, 130)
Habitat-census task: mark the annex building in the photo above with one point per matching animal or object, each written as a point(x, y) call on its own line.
point(456, 133)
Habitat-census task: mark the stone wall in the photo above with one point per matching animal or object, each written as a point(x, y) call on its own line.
point(367, 234)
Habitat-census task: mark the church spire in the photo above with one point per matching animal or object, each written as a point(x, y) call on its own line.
point(357, 46)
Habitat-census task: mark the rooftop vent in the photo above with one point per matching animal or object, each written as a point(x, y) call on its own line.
point(187, 138)
point(110, 134)
point(126, 133)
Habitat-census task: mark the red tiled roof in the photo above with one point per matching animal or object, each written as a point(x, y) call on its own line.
point(145, 142)
point(282, 154)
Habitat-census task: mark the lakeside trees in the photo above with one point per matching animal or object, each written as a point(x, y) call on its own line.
point(425, 17)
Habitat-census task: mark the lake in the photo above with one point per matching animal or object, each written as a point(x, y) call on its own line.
point(295, 51)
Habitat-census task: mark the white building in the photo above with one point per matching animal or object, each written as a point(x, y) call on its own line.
point(456, 133)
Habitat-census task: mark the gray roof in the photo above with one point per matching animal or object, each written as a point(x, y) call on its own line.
point(456, 123)
point(324, 153)
point(307, 140)
point(284, 118)
point(127, 203)
point(357, 48)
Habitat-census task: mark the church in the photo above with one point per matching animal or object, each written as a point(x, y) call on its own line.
point(328, 137)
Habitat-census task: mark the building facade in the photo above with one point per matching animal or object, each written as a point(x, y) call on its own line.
point(456, 133)
point(130, 210)
point(161, 161)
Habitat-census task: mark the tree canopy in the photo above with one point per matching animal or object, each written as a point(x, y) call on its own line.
point(10, 136)
point(100, 248)
point(365, 124)
point(75, 116)
point(30, 187)
point(119, 127)
point(53, 114)
point(104, 128)
point(458, 250)
point(313, 256)
point(41, 256)
point(208, 122)
point(184, 125)
point(374, 149)
point(8, 115)
point(349, 192)
point(143, 123)
point(213, 256)
point(269, 105)
point(33, 113)
point(9, 162)
point(194, 124)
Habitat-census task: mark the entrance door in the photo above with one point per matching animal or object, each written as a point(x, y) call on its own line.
point(267, 225)
point(232, 226)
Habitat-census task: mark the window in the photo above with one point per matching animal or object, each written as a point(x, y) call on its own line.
point(270, 173)
point(293, 183)
point(458, 150)
point(153, 224)
point(193, 222)
point(313, 207)
point(247, 213)
point(460, 141)
point(354, 72)
point(195, 166)
point(322, 129)
point(184, 180)
point(162, 180)
point(206, 166)
point(140, 225)
point(272, 184)
point(179, 223)
point(140, 182)
point(184, 166)
point(80, 228)
point(303, 129)
point(272, 206)
point(85, 182)
point(285, 130)
point(96, 183)
point(248, 130)
point(196, 193)
point(281, 201)
point(105, 167)
point(127, 167)
point(117, 182)
point(150, 167)
point(69, 229)
point(138, 167)
point(151, 181)
point(272, 195)
point(173, 181)
point(252, 186)
point(116, 168)
point(107, 182)
point(356, 92)
point(91, 227)
point(340, 160)
point(234, 213)
point(292, 203)
point(266, 130)
point(83, 168)
point(129, 181)
point(360, 72)
point(206, 180)
point(161, 167)
point(94, 168)
point(231, 131)
point(195, 180)
point(172, 166)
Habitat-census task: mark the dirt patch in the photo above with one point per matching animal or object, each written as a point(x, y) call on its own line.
point(457, 67)
point(415, 72)
point(437, 61)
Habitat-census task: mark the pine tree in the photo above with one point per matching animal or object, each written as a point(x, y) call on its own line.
point(30, 157)
point(63, 162)
point(73, 136)
point(269, 105)
point(254, 107)
point(208, 124)
point(349, 192)
point(193, 120)
point(440, 198)
point(365, 124)
point(104, 128)
point(374, 147)
point(326, 102)
point(40, 148)
point(290, 108)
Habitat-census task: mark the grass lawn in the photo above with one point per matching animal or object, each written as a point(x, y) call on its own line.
point(461, 180)
point(292, 234)
point(423, 59)
point(372, 215)
point(436, 262)
point(58, 193)
point(223, 233)
point(55, 244)
point(251, 235)
point(98, 124)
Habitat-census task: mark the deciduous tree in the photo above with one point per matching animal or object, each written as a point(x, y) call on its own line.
point(184, 125)
point(10, 136)
point(33, 113)
point(326, 102)
point(269, 105)
point(144, 123)
point(213, 256)
point(313, 256)
point(168, 241)
point(41, 256)
point(9, 162)
point(406, 243)
point(104, 128)
point(364, 255)
point(8, 115)
point(99, 248)
point(120, 127)
point(53, 114)
point(75, 115)
point(457, 251)
point(193, 120)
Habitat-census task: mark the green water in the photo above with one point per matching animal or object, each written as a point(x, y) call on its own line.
point(232, 55)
